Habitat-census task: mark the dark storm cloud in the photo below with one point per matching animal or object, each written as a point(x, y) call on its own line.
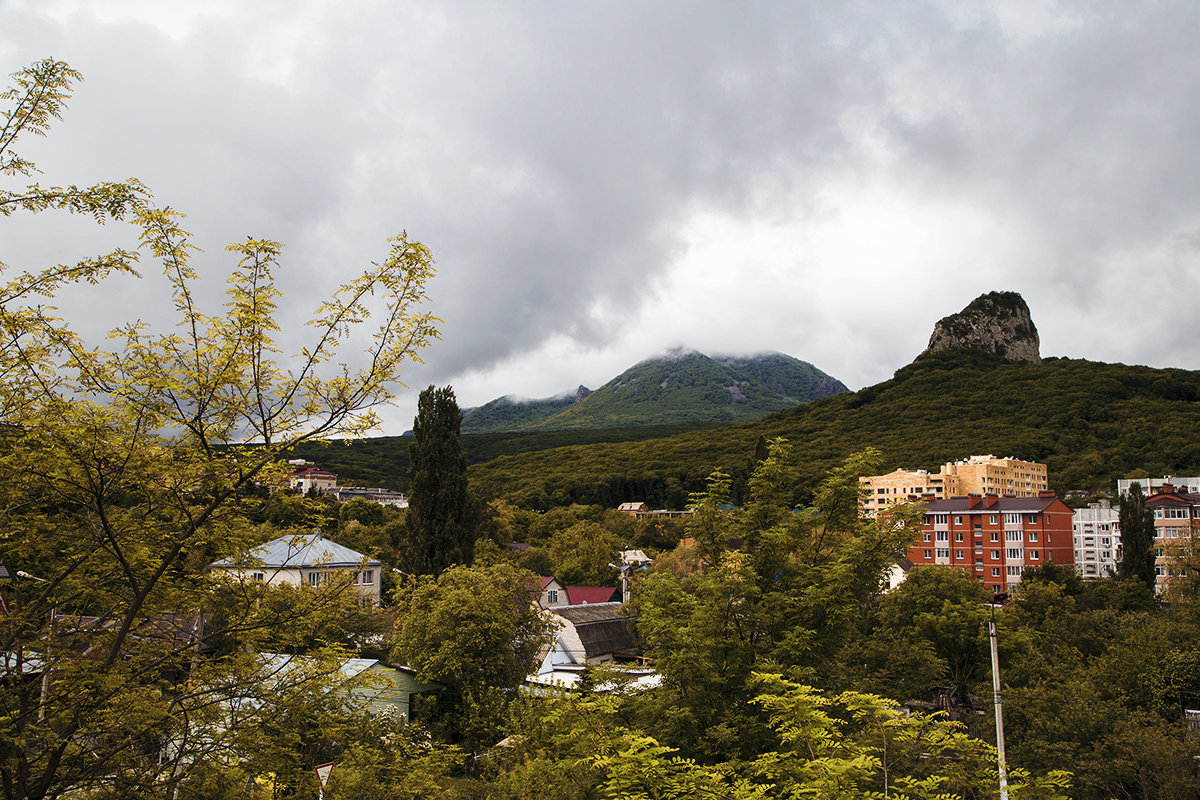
point(599, 181)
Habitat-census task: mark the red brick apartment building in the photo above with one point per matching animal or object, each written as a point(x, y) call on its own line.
point(994, 538)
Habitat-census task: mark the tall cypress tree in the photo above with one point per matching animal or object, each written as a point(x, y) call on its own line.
point(1137, 537)
point(442, 521)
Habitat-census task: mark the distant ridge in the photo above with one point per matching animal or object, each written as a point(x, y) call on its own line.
point(679, 386)
point(508, 414)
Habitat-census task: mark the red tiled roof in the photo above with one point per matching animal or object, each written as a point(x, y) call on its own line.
point(1015, 504)
point(578, 595)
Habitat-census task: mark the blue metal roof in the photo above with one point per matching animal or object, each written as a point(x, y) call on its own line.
point(301, 550)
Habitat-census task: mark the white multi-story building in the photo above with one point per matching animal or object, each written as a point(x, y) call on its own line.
point(1153, 485)
point(1097, 540)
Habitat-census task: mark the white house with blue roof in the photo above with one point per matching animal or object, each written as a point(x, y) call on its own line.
point(305, 560)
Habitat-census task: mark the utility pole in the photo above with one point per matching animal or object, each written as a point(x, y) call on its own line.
point(996, 694)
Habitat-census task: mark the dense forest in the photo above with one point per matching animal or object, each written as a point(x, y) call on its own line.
point(783, 666)
point(1089, 422)
point(384, 460)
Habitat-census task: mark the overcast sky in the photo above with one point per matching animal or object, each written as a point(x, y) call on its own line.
point(601, 181)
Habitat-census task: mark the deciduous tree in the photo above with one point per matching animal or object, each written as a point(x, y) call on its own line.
point(478, 632)
point(121, 468)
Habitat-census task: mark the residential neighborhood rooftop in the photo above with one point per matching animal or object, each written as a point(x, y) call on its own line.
point(302, 550)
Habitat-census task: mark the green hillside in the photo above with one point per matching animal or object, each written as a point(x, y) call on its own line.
point(383, 460)
point(1090, 422)
point(792, 378)
point(505, 414)
point(684, 386)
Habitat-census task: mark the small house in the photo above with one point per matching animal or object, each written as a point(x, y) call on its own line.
point(305, 560)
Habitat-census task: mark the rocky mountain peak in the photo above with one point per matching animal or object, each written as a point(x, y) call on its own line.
point(996, 322)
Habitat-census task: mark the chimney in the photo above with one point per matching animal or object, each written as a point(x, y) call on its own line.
point(990, 500)
point(973, 501)
point(1046, 495)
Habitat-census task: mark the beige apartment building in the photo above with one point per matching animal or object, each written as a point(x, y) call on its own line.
point(976, 475)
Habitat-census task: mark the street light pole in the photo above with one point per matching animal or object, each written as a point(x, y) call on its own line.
point(999, 705)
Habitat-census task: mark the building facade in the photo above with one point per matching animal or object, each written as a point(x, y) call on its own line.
point(999, 476)
point(1176, 519)
point(306, 560)
point(976, 475)
point(995, 538)
point(1152, 485)
point(1097, 536)
point(900, 485)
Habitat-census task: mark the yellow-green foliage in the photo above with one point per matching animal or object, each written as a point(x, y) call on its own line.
point(119, 483)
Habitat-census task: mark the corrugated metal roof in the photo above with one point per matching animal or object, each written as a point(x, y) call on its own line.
point(301, 550)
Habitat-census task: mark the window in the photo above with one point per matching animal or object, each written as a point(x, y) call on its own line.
point(995, 572)
point(958, 520)
point(314, 578)
point(1015, 554)
point(365, 578)
point(958, 536)
point(1013, 570)
point(1033, 519)
point(929, 554)
point(992, 519)
point(1012, 536)
point(1033, 555)
point(257, 576)
point(943, 536)
point(995, 555)
point(958, 554)
point(552, 595)
point(995, 536)
point(929, 537)
point(1033, 536)
point(1012, 519)
point(943, 552)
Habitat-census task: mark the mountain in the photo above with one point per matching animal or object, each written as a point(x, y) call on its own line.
point(1089, 422)
point(980, 387)
point(996, 322)
point(792, 378)
point(509, 414)
point(681, 386)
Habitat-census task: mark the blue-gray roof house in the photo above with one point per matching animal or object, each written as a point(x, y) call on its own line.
point(305, 560)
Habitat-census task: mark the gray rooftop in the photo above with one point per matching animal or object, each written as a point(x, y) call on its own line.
point(300, 550)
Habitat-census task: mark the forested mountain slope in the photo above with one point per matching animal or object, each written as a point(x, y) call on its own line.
point(383, 460)
point(1090, 422)
point(681, 386)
